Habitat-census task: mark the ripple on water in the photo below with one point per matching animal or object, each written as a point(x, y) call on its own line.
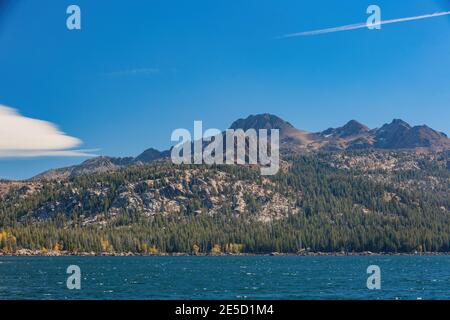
point(227, 278)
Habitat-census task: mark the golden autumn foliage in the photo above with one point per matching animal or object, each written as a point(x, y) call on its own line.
point(147, 249)
point(5, 235)
point(233, 248)
point(106, 246)
point(195, 249)
point(57, 247)
point(216, 249)
point(7, 242)
point(153, 250)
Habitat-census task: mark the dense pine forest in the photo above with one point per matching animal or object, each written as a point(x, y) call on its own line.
point(317, 203)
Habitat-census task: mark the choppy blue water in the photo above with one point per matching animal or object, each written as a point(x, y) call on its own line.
point(284, 277)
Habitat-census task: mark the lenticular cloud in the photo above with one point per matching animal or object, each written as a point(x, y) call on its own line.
point(26, 137)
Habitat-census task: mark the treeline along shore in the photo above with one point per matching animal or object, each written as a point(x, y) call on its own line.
point(355, 202)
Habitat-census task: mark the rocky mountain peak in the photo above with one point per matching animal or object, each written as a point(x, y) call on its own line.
point(353, 128)
point(261, 121)
point(400, 135)
point(350, 129)
point(149, 155)
point(397, 123)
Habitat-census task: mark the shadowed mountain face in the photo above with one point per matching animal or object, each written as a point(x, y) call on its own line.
point(151, 155)
point(352, 136)
point(396, 135)
point(90, 166)
point(102, 165)
point(262, 121)
point(289, 136)
point(352, 129)
point(400, 135)
point(393, 136)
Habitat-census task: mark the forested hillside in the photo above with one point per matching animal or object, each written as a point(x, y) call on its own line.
point(347, 201)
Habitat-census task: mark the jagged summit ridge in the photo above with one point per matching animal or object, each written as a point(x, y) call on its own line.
point(261, 121)
point(396, 135)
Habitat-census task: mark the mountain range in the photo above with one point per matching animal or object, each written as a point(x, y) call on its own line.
point(350, 188)
point(397, 135)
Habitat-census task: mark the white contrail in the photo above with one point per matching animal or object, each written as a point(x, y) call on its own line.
point(364, 25)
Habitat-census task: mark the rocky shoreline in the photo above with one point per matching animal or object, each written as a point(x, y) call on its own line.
point(53, 253)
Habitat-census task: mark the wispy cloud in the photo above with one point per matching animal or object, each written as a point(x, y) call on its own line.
point(26, 137)
point(364, 25)
point(134, 72)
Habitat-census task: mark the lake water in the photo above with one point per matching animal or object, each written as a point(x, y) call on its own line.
point(257, 277)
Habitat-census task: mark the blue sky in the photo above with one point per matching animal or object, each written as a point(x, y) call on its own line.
point(137, 70)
